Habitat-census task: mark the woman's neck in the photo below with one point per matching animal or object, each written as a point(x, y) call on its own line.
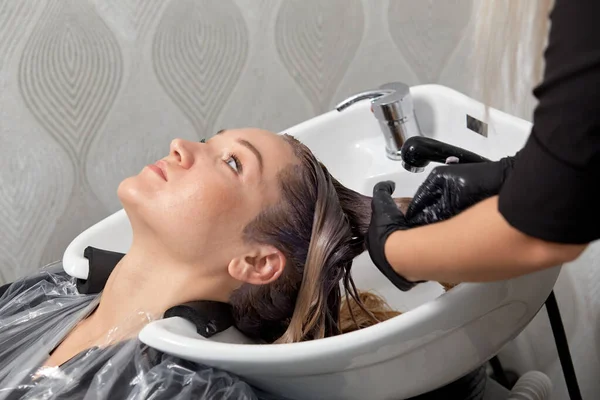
point(146, 283)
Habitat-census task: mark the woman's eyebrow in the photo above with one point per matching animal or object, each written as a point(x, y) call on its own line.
point(254, 150)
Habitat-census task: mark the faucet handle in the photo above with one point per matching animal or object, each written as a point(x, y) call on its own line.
point(397, 87)
point(396, 106)
point(391, 102)
point(392, 105)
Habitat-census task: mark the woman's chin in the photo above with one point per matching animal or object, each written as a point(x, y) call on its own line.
point(130, 192)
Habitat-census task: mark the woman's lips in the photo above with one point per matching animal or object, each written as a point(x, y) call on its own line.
point(159, 168)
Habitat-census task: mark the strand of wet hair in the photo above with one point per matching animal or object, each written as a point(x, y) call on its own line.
point(350, 289)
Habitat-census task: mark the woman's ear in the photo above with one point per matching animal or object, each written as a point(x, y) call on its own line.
point(262, 265)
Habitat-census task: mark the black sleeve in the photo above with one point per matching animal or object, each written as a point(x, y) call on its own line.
point(551, 192)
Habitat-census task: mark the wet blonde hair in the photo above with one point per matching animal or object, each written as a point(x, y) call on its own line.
point(320, 226)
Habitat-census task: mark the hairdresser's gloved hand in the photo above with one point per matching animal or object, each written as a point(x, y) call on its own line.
point(448, 190)
point(386, 218)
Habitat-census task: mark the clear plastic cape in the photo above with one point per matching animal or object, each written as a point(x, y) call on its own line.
point(38, 311)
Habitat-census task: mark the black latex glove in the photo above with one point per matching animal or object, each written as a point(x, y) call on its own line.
point(448, 190)
point(386, 218)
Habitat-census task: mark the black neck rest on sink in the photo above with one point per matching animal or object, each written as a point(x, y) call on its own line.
point(101, 264)
point(209, 317)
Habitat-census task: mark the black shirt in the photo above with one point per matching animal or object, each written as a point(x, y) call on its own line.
point(552, 193)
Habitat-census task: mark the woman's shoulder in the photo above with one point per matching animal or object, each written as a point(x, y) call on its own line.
point(48, 282)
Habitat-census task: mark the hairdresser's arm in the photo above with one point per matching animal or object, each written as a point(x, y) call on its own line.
point(474, 246)
point(546, 211)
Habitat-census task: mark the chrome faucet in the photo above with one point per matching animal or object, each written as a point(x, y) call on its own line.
point(393, 107)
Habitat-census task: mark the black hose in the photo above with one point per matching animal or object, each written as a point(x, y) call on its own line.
point(499, 374)
point(562, 346)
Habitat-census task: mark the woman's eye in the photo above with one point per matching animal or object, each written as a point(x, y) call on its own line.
point(234, 163)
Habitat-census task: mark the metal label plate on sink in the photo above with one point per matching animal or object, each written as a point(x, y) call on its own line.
point(477, 126)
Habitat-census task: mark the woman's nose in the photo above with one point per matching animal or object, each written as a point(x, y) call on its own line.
point(181, 152)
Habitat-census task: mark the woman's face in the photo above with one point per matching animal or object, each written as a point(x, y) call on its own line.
point(195, 202)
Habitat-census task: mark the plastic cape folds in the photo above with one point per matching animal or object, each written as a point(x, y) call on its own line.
point(37, 312)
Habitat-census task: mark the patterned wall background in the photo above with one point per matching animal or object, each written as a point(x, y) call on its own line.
point(93, 90)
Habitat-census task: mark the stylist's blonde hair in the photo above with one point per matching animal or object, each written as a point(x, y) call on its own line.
point(510, 38)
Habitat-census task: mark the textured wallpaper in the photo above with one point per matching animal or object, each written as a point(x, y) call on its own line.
point(93, 90)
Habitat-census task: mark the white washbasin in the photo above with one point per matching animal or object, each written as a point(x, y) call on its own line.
point(442, 337)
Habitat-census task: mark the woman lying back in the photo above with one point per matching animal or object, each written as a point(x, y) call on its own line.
point(248, 218)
